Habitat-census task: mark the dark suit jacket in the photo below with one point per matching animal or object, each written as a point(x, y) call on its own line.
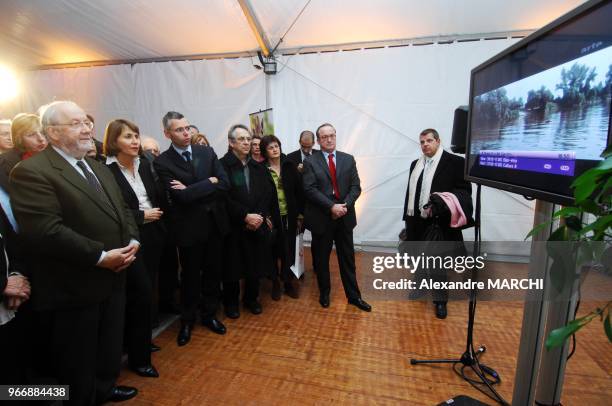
point(295, 157)
point(319, 194)
point(14, 250)
point(192, 208)
point(67, 225)
point(249, 253)
point(154, 190)
point(294, 192)
point(9, 159)
point(447, 178)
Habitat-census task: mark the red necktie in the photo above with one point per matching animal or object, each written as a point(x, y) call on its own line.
point(332, 172)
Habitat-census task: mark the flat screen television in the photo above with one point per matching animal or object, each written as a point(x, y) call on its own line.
point(539, 111)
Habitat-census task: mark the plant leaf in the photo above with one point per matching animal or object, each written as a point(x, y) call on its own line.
point(600, 225)
point(605, 164)
point(590, 206)
point(584, 190)
point(557, 337)
point(538, 228)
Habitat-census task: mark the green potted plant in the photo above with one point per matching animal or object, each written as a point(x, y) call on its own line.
point(588, 241)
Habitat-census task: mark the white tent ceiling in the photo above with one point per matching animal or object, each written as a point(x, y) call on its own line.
point(43, 32)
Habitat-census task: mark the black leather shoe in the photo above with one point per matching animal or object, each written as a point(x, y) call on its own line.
point(232, 312)
point(324, 301)
point(254, 307)
point(121, 393)
point(155, 348)
point(361, 304)
point(441, 310)
point(147, 372)
point(214, 325)
point(291, 290)
point(184, 335)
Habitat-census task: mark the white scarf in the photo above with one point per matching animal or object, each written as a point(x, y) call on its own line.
point(426, 184)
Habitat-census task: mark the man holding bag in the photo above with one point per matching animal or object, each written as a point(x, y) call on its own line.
point(427, 218)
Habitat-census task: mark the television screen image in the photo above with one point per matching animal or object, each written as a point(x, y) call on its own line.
point(540, 111)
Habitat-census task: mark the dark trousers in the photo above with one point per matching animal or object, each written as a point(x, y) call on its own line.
point(151, 250)
point(168, 274)
point(416, 232)
point(138, 314)
point(201, 273)
point(285, 251)
point(84, 347)
point(321, 247)
point(16, 341)
point(231, 292)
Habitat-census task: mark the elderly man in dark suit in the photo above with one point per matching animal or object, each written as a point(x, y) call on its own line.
point(81, 237)
point(198, 219)
point(331, 187)
point(435, 171)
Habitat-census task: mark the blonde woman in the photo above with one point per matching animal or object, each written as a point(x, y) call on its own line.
point(28, 140)
point(200, 139)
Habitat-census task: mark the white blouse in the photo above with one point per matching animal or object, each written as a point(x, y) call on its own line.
point(135, 181)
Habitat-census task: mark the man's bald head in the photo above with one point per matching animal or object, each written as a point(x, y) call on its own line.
point(151, 145)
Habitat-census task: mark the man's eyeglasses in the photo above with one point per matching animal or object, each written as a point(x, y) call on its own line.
point(77, 125)
point(243, 139)
point(327, 137)
point(181, 129)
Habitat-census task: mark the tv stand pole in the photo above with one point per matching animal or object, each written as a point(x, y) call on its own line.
point(540, 373)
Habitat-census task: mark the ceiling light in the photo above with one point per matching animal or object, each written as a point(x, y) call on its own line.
point(9, 87)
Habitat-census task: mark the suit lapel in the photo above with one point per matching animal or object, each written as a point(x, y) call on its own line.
point(439, 169)
point(71, 175)
point(106, 179)
point(179, 160)
point(196, 160)
point(147, 180)
point(323, 163)
point(339, 164)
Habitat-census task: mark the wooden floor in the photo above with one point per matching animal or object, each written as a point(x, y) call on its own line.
point(296, 352)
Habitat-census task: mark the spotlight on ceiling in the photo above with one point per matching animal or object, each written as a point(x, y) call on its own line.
point(9, 87)
point(268, 63)
point(269, 67)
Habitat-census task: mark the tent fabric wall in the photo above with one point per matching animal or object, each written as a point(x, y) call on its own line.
point(378, 99)
point(212, 94)
point(105, 91)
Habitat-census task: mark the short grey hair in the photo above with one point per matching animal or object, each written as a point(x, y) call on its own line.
point(48, 112)
point(232, 130)
point(171, 115)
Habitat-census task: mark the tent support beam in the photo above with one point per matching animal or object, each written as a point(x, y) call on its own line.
point(256, 27)
point(447, 39)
